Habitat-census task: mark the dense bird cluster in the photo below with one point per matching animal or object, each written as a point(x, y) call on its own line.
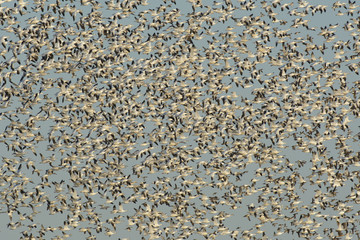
point(194, 119)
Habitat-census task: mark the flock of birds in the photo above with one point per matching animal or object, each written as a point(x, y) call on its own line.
point(180, 120)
